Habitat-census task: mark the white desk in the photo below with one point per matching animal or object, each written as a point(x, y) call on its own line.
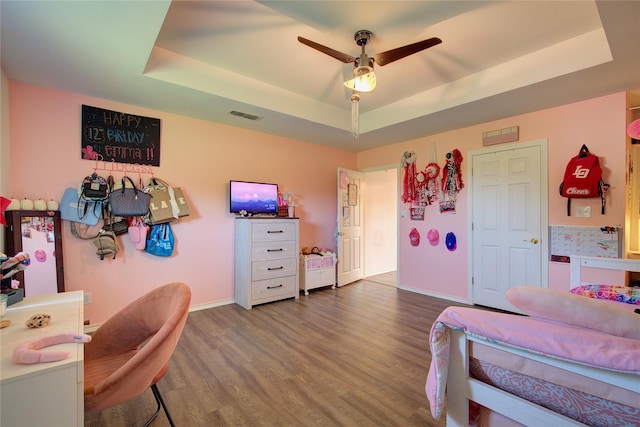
point(43, 394)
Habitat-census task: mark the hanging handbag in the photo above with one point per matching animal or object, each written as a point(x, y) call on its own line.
point(94, 187)
point(118, 227)
point(128, 201)
point(182, 202)
point(163, 208)
point(138, 233)
point(106, 244)
point(75, 208)
point(85, 231)
point(161, 240)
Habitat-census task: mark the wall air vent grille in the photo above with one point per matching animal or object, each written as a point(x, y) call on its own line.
point(245, 115)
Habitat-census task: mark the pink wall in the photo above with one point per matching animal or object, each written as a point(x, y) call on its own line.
point(199, 156)
point(599, 123)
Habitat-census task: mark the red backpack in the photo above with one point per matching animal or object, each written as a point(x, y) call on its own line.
point(583, 179)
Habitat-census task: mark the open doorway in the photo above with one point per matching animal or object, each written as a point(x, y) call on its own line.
point(381, 225)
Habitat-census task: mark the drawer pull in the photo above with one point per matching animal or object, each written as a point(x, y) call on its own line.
point(275, 287)
point(275, 250)
point(274, 268)
point(274, 231)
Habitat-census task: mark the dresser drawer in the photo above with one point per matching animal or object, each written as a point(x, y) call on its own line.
point(270, 269)
point(273, 289)
point(273, 250)
point(273, 231)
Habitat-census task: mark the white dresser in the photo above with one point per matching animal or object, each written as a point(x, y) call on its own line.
point(266, 260)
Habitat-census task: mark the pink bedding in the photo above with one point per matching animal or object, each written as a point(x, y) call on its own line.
point(567, 342)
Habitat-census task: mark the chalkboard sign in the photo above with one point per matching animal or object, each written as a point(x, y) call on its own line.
point(112, 136)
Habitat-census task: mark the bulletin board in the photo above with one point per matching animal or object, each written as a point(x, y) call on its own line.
point(603, 241)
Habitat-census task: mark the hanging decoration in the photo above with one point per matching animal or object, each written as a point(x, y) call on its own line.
point(633, 130)
point(409, 194)
point(451, 181)
point(434, 237)
point(417, 213)
point(414, 237)
point(451, 242)
point(433, 160)
point(431, 188)
point(428, 182)
point(355, 115)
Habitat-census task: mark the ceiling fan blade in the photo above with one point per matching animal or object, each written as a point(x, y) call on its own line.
point(328, 51)
point(392, 55)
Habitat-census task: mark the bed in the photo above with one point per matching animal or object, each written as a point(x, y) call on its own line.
point(502, 369)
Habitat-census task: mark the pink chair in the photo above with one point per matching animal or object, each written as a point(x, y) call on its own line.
point(130, 352)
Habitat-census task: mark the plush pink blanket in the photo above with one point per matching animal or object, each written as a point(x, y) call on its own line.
point(586, 346)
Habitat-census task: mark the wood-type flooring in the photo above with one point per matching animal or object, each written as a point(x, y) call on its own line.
point(354, 356)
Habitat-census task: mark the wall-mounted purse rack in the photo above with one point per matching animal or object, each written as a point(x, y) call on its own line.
point(125, 168)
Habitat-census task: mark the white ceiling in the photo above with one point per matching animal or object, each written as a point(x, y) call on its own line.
point(206, 58)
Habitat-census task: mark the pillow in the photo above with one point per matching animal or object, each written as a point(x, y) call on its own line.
point(624, 294)
point(575, 310)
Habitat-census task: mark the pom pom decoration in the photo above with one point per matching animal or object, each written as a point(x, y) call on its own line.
point(451, 181)
point(409, 182)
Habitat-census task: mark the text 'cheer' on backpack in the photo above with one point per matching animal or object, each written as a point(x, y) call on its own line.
point(583, 178)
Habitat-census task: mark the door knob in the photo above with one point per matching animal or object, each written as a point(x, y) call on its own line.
point(531, 240)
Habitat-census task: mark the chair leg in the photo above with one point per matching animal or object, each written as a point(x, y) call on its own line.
point(160, 402)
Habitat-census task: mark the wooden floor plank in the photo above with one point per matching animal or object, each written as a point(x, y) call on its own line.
point(353, 356)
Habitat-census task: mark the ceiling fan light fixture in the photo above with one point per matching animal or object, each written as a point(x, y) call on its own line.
point(364, 79)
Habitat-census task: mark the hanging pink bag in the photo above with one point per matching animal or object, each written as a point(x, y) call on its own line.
point(138, 233)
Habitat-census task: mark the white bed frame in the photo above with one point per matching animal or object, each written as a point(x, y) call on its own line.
point(461, 387)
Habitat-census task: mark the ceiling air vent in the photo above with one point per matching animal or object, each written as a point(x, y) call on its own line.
point(245, 115)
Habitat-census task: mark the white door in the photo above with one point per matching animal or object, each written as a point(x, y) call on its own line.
point(349, 228)
point(509, 221)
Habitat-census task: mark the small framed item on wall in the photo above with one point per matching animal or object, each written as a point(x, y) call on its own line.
point(417, 213)
point(353, 194)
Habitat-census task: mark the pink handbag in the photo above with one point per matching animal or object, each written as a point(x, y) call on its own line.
point(138, 233)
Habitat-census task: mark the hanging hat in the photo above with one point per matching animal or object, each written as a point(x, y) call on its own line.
point(633, 130)
point(450, 241)
point(414, 237)
point(434, 237)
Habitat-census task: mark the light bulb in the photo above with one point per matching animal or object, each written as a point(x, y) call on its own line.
point(364, 79)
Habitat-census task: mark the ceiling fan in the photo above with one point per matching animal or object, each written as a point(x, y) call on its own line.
point(364, 79)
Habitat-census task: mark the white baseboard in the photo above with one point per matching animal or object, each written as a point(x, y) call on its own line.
point(91, 328)
point(435, 294)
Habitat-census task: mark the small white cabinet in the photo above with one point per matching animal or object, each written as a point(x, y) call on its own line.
point(317, 271)
point(266, 260)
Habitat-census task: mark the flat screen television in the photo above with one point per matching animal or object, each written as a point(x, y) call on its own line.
point(257, 198)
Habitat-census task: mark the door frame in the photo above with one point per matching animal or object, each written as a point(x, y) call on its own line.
point(544, 207)
point(397, 168)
